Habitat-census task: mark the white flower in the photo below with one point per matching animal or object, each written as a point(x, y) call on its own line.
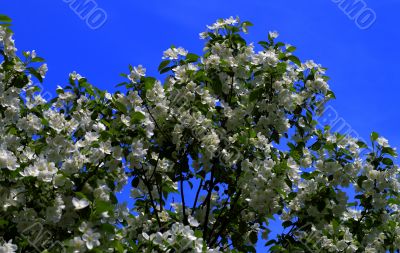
point(54, 213)
point(79, 203)
point(231, 20)
point(108, 96)
point(19, 66)
point(75, 76)
point(137, 149)
point(8, 247)
point(181, 51)
point(273, 34)
point(203, 35)
point(42, 169)
point(173, 53)
point(382, 142)
point(91, 137)
point(7, 160)
point(137, 73)
point(78, 244)
point(266, 57)
point(221, 22)
point(105, 147)
point(145, 236)
point(84, 227)
point(33, 54)
point(56, 120)
point(102, 192)
point(66, 95)
point(193, 222)
point(43, 70)
point(91, 239)
point(210, 143)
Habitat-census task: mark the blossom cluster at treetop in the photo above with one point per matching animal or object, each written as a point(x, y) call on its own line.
point(201, 152)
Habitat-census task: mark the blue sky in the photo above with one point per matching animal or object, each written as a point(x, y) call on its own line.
point(362, 63)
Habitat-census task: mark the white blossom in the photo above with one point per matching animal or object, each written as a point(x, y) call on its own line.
point(8, 247)
point(79, 203)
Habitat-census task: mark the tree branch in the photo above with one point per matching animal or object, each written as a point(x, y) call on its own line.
point(197, 195)
point(208, 204)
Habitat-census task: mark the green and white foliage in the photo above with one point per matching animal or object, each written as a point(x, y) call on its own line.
point(200, 151)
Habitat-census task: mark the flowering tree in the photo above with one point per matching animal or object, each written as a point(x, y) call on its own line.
point(202, 152)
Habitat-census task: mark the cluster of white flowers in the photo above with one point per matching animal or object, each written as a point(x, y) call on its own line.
point(137, 73)
point(8, 247)
point(8, 160)
point(53, 163)
point(42, 169)
point(223, 22)
point(174, 53)
point(180, 238)
point(7, 42)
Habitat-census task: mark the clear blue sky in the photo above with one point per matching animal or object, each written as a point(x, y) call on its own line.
point(363, 64)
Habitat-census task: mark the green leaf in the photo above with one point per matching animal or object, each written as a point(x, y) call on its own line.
point(330, 94)
point(165, 70)
point(291, 196)
point(359, 196)
point(374, 136)
point(294, 59)
point(291, 49)
point(276, 248)
point(192, 57)
point(390, 151)
point(198, 233)
point(20, 80)
point(38, 59)
point(216, 85)
point(252, 133)
point(394, 201)
point(120, 106)
point(270, 242)
point(81, 195)
point(295, 154)
point(387, 161)
point(281, 67)
point(247, 23)
point(149, 82)
point(103, 206)
point(275, 137)
point(255, 94)
point(264, 44)
point(135, 182)
point(361, 144)
point(288, 182)
point(137, 117)
point(287, 223)
point(321, 205)
point(316, 146)
point(119, 247)
point(163, 64)
point(121, 84)
point(253, 237)
point(3, 223)
point(36, 74)
point(88, 88)
point(4, 18)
